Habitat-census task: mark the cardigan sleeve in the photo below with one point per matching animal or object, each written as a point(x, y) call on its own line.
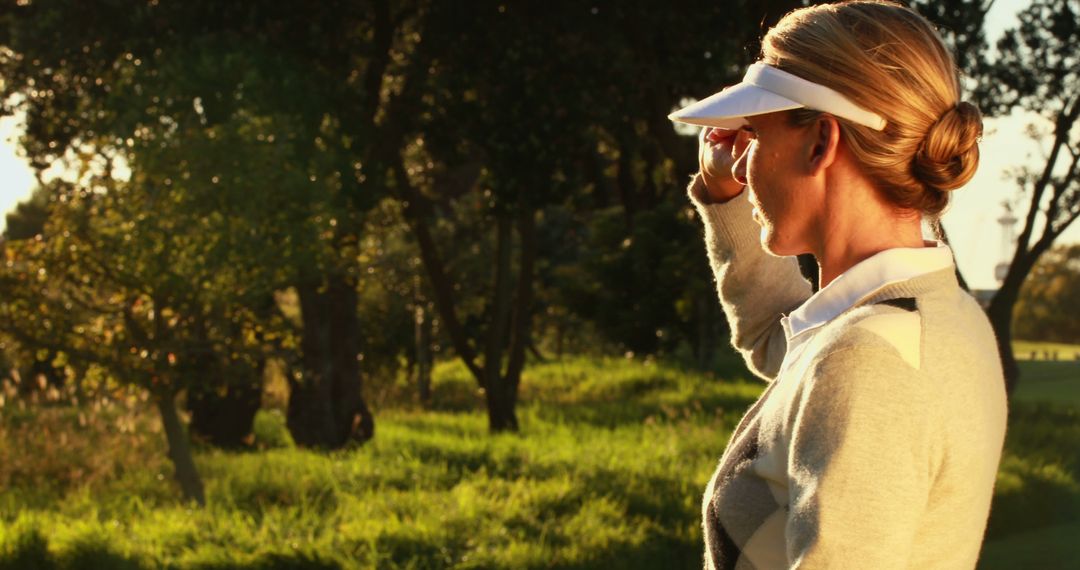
point(755, 287)
point(860, 460)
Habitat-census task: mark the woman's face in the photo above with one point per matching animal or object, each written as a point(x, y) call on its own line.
point(773, 169)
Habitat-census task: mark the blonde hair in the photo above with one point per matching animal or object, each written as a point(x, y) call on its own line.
point(888, 59)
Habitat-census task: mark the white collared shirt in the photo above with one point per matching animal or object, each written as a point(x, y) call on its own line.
point(860, 281)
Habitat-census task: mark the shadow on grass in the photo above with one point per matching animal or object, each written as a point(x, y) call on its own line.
point(1037, 484)
point(394, 552)
point(298, 561)
point(628, 409)
point(627, 402)
point(32, 554)
point(669, 552)
point(1045, 432)
point(1052, 547)
point(29, 551)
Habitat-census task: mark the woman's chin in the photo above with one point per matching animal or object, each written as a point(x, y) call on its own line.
point(768, 240)
point(776, 246)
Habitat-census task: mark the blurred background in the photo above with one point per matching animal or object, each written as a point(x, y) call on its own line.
point(416, 284)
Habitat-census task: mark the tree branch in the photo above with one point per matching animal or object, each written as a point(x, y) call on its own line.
point(441, 284)
point(520, 329)
point(376, 70)
point(1061, 134)
point(500, 302)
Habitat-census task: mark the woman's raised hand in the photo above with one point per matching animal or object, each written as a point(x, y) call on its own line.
point(718, 149)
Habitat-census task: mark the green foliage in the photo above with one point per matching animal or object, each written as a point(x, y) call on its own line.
point(260, 137)
point(247, 142)
point(28, 218)
point(1050, 297)
point(1036, 67)
point(640, 287)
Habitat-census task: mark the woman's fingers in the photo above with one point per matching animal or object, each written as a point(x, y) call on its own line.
point(716, 151)
point(742, 140)
point(716, 136)
point(717, 155)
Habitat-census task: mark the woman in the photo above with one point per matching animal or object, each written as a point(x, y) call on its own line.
point(877, 441)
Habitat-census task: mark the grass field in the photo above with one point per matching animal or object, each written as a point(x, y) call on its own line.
point(1048, 380)
point(608, 473)
point(1049, 547)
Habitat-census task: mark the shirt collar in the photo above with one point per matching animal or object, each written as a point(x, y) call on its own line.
point(862, 279)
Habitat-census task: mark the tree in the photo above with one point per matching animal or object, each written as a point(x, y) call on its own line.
point(529, 94)
point(529, 113)
point(317, 79)
point(962, 24)
point(80, 291)
point(1037, 69)
point(1047, 307)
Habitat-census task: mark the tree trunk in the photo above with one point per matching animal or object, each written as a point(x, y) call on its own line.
point(560, 335)
point(601, 193)
point(500, 396)
point(179, 449)
point(521, 327)
point(77, 377)
point(535, 351)
point(223, 407)
point(423, 355)
point(496, 394)
point(627, 193)
point(223, 416)
point(326, 406)
point(417, 212)
point(1000, 314)
point(500, 407)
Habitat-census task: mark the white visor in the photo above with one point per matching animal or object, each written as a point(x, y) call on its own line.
point(766, 89)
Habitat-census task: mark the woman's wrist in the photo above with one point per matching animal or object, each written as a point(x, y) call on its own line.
point(711, 192)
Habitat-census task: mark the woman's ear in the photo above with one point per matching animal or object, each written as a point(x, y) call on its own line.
point(824, 141)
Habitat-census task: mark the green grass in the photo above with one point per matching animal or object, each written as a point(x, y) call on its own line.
point(1042, 381)
point(1049, 547)
point(1036, 513)
point(1047, 380)
point(607, 473)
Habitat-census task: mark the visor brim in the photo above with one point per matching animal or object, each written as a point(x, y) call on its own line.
point(729, 108)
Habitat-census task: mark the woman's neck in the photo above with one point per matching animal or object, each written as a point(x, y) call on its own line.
point(857, 224)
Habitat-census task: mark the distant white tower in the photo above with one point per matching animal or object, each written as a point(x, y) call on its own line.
point(1008, 240)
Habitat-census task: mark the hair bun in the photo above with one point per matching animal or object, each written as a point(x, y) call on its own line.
point(949, 154)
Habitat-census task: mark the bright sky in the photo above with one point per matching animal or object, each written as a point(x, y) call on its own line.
point(16, 178)
point(971, 220)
